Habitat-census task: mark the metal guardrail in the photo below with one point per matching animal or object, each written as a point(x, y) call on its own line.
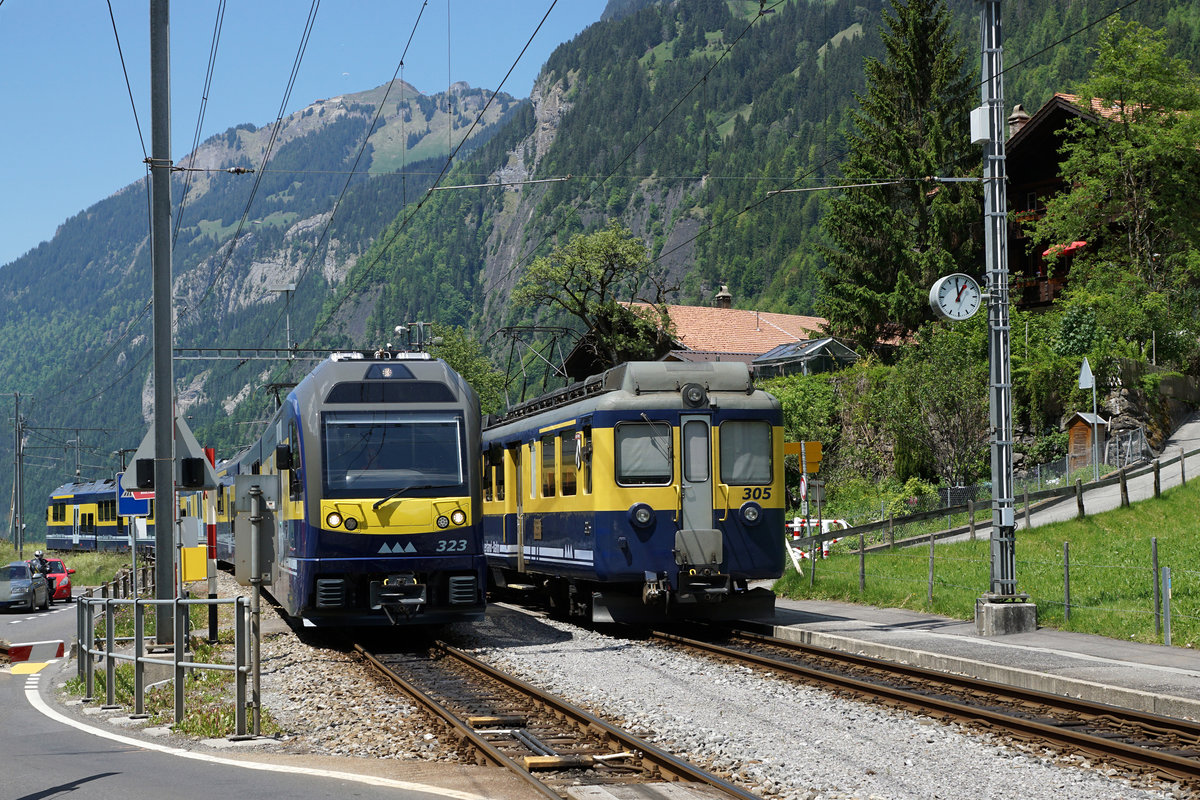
point(89, 608)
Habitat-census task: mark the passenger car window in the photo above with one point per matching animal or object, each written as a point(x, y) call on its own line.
point(567, 449)
point(549, 463)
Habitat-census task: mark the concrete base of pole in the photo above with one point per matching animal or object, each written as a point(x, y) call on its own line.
point(999, 619)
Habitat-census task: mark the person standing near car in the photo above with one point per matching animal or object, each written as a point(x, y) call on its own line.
point(42, 566)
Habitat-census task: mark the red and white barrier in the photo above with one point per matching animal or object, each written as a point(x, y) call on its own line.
point(35, 651)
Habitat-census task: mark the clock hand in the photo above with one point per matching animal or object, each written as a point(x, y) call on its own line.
point(958, 297)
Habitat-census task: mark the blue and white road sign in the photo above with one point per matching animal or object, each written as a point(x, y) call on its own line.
point(132, 503)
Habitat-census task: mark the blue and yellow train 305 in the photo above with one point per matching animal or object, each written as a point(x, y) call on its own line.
point(652, 491)
point(378, 519)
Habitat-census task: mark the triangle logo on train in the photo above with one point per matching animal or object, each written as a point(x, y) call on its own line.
point(399, 548)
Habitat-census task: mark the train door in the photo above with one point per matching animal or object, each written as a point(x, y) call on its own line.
point(75, 526)
point(696, 491)
point(519, 493)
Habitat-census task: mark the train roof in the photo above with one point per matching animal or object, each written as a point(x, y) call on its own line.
point(379, 366)
point(639, 378)
point(76, 488)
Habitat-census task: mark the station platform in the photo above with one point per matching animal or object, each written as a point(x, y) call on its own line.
point(1148, 677)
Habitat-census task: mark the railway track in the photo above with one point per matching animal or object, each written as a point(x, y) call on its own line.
point(551, 744)
point(1141, 742)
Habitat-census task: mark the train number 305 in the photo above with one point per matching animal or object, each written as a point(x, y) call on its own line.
point(452, 546)
point(756, 493)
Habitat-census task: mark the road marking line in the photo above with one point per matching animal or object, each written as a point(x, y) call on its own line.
point(35, 699)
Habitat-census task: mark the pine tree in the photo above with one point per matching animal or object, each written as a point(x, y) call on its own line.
point(891, 240)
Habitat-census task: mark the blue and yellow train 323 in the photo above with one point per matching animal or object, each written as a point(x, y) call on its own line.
point(652, 491)
point(378, 519)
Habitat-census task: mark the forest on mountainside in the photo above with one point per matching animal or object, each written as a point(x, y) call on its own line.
point(676, 118)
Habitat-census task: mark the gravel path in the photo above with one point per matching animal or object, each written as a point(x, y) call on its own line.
point(785, 741)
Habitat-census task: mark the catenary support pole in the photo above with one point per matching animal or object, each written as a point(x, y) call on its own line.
point(160, 236)
point(1003, 585)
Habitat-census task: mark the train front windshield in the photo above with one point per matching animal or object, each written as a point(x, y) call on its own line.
point(374, 453)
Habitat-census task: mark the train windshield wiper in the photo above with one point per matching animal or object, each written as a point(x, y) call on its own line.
point(397, 493)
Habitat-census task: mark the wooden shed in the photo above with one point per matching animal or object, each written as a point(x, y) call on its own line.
point(1079, 438)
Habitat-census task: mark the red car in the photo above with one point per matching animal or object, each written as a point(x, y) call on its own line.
point(59, 577)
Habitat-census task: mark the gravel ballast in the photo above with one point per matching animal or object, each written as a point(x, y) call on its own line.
point(780, 739)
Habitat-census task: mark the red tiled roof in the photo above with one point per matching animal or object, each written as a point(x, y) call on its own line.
point(1099, 106)
point(735, 330)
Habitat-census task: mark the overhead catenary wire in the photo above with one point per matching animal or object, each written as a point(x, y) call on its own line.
point(429, 192)
point(268, 150)
point(630, 151)
point(399, 71)
point(212, 60)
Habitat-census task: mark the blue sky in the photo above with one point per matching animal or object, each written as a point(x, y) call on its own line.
point(67, 133)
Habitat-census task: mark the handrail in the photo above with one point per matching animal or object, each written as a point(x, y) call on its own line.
point(89, 652)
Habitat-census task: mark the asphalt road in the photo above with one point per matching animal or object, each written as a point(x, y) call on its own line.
point(51, 750)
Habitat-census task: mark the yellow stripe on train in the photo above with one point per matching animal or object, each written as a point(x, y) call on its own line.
point(399, 516)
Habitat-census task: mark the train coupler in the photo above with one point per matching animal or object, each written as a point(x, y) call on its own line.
point(655, 588)
point(399, 596)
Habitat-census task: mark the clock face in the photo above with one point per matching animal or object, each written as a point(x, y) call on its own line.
point(955, 297)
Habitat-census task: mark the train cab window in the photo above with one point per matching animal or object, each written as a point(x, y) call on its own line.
point(374, 453)
point(488, 478)
point(745, 452)
point(295, 487)
point(643, 453)
point(568, 449)
point(500, 468)
point(549, 465)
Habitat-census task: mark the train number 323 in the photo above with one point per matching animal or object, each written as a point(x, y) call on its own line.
point(452, 546)
point(756, 493)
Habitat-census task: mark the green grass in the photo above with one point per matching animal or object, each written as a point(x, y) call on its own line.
point(1112, 580)
point(209, 708)
point(91, 569)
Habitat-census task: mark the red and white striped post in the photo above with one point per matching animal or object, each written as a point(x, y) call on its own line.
point(210, 517)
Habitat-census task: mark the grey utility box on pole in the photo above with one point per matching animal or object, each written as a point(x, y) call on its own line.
point(257, 500)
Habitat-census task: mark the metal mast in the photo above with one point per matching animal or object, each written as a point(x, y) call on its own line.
point(1003, 553)
point(160, 236)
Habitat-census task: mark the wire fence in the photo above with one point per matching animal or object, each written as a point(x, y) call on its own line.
point(1122, 450)
point(1154, 596)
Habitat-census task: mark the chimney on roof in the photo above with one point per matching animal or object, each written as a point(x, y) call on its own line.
point(1017, 119)
point(724, 299)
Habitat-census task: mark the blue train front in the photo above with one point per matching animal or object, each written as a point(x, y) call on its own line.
point(377, 519)
point(653, 491)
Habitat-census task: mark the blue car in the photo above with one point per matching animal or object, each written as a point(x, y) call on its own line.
point(21, 587)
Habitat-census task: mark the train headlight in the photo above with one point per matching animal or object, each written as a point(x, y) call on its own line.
point(443, 521)
point(694, 395)
point(641, 515)
point(458, 516)
point(333, 519)
point(351, 523)
point(751, 513)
